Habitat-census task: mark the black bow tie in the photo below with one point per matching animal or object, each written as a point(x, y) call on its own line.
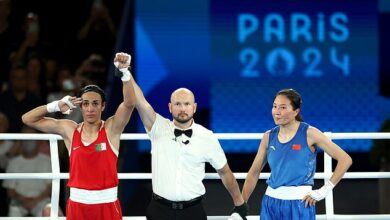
point(179, 132)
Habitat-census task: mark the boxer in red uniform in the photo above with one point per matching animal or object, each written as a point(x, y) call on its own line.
point(93, 146)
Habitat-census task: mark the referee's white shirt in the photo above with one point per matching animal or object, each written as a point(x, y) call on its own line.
point(177, 168)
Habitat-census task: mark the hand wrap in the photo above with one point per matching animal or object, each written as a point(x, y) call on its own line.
point(54, 107)
point(124, 73)
point(322, 192)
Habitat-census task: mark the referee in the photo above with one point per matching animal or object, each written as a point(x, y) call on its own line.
point(180, 149)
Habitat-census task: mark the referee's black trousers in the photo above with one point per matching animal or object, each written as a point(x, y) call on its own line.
point(159, 211)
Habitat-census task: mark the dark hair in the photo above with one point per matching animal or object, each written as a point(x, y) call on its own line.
point(93, 88)
point(295, 99)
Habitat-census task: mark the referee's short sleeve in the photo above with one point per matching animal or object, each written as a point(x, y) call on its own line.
point(217, 157)
point(156, 127)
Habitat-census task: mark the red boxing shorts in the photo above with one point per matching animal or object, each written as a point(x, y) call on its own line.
point(102, 211)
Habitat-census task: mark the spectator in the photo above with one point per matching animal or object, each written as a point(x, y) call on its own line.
point(31, 41)
point(51, 69)
point(28, 197)
point(36, 75)
point(7, 147)
point(16, 100)
point(7, 41)
point(7, 151)
point(91, 71)
point(97, 35)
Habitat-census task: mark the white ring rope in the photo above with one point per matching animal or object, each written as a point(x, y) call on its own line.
point(147, 176)
point(55, 176)
point(221, 136)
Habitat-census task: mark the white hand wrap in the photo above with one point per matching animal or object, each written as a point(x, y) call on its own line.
point(322, 192)
point(235, 216)
point(53, 107)
point(125, 71)
point(71, 106)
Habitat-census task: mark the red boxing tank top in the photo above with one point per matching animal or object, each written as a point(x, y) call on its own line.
point(92, 167)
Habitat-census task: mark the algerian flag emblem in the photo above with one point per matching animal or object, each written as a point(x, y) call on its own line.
point(100, 147)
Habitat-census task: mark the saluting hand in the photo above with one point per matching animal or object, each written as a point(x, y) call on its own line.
point(68, 103)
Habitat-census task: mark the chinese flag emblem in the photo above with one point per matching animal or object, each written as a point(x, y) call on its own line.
point(296, 147)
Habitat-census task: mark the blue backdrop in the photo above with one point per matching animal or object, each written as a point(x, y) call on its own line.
point(235, 55)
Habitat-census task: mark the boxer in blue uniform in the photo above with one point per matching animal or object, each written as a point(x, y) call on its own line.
point(290, 149)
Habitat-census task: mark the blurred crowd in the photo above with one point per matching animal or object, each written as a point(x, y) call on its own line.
point(43, 58)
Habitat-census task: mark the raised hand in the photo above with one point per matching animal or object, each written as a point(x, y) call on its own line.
point(122, 60)
point(122, 63)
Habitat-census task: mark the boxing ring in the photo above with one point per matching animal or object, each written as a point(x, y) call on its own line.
point(56, 176)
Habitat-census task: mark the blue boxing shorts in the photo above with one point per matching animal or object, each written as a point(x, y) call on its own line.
point(277, 209)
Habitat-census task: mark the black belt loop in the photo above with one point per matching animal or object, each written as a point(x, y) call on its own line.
point(176, 205)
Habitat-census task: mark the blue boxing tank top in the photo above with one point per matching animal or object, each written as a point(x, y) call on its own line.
point(292, 163)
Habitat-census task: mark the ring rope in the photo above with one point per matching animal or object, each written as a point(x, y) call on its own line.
point(56, 176)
